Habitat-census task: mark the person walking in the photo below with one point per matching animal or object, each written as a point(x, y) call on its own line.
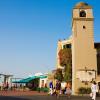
point(51, 87)
point(94, 89)
point(68, 89)
point(58, 88)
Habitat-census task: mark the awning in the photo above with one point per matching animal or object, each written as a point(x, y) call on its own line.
point(27, 80)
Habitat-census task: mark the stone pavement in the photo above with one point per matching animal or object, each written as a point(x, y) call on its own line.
point(33, 95)
point(44, 97)
point(21, 93)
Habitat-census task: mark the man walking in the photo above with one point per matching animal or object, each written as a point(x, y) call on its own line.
point(94, 89)
point(58, 88)
point(51, 87)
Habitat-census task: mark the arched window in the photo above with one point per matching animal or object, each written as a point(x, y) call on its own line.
point(82, 13)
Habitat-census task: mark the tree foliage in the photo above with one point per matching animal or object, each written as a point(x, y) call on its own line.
point(68, 73)
point(65, 57)
point(58, 75)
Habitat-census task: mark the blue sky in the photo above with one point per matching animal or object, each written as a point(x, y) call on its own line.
point(30, 29)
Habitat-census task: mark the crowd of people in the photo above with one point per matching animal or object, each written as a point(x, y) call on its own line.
point(57, 89)
point(4, 86)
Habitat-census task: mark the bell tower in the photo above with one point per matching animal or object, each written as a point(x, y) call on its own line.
point(83, 52)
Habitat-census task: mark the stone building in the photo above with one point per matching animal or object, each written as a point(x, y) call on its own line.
point(85, 53)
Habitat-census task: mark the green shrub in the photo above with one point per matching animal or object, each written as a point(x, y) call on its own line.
point(42, 89)
point(83, 90)
point(46, 89)
point(88, 90)
point(38, 89)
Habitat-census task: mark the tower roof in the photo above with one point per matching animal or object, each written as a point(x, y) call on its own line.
point(82, 5)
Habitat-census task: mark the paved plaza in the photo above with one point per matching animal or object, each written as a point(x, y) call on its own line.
point(21, 93)
point(33, 95)
point(44, 97)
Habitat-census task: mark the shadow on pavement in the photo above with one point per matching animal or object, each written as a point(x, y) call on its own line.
point(11, 98)
point(37, 97)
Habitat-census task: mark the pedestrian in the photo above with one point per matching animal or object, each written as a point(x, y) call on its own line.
point(54, 91)
point(7, 86)
point(58, 88)
point(1, 85)
point(94, 90)
point(51, 88)
point(68, 90)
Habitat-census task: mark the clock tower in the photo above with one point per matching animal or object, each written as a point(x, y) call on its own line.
point(83, 51)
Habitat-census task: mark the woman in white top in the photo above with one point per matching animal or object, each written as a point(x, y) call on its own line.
point(94, 89)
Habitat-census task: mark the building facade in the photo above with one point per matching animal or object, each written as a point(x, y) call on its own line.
point(84, 50)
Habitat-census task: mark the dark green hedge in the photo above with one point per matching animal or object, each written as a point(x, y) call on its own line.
point(83, 90)
point(43, 89)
